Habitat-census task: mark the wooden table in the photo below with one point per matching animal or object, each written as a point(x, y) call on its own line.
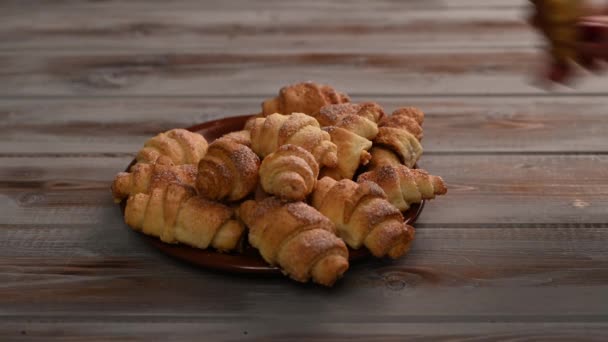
point(517, 249)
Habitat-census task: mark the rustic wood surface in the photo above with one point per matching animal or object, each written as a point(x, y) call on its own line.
point(517, 250)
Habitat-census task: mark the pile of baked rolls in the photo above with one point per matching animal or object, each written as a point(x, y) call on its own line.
point(309, 177)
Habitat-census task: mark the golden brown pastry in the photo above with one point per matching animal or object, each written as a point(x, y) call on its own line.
point(275, 130)
point(401, 142)
point(411, 112)
point(175, 215)
point(363, 216)
point(144, 177)
point(382, 156)
point(297, 238)
point(371, 111)
point(229, 171)
point(242, 137)
point(306, 97)
point(407, 118)
point(290, 173)
point(174, 147)
point(360, 119)
point(352, 152)
point(404, 186)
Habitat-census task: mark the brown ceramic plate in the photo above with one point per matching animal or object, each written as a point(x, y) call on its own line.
point(248, 260)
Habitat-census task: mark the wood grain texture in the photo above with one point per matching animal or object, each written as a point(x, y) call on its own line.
point(327, 331)
point(187, 48)
point(515, 251)
point(245, 4)
point(80, 275)
point(490, 190)
point(195, 74)
point(454, 124)
point(469, 256)
point(310, 26)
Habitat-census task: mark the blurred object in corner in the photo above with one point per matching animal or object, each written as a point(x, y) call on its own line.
point(558, 21)
point(593, 46)
point(577, 32)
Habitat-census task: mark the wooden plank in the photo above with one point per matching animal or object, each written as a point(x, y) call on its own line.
point(326, 331)
point(362, 27)
point(197, 74)
point(516, 250)
point(338, 5)
point(97, 273)
point(495, 190)
point(454, 124)
point(474, 256)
